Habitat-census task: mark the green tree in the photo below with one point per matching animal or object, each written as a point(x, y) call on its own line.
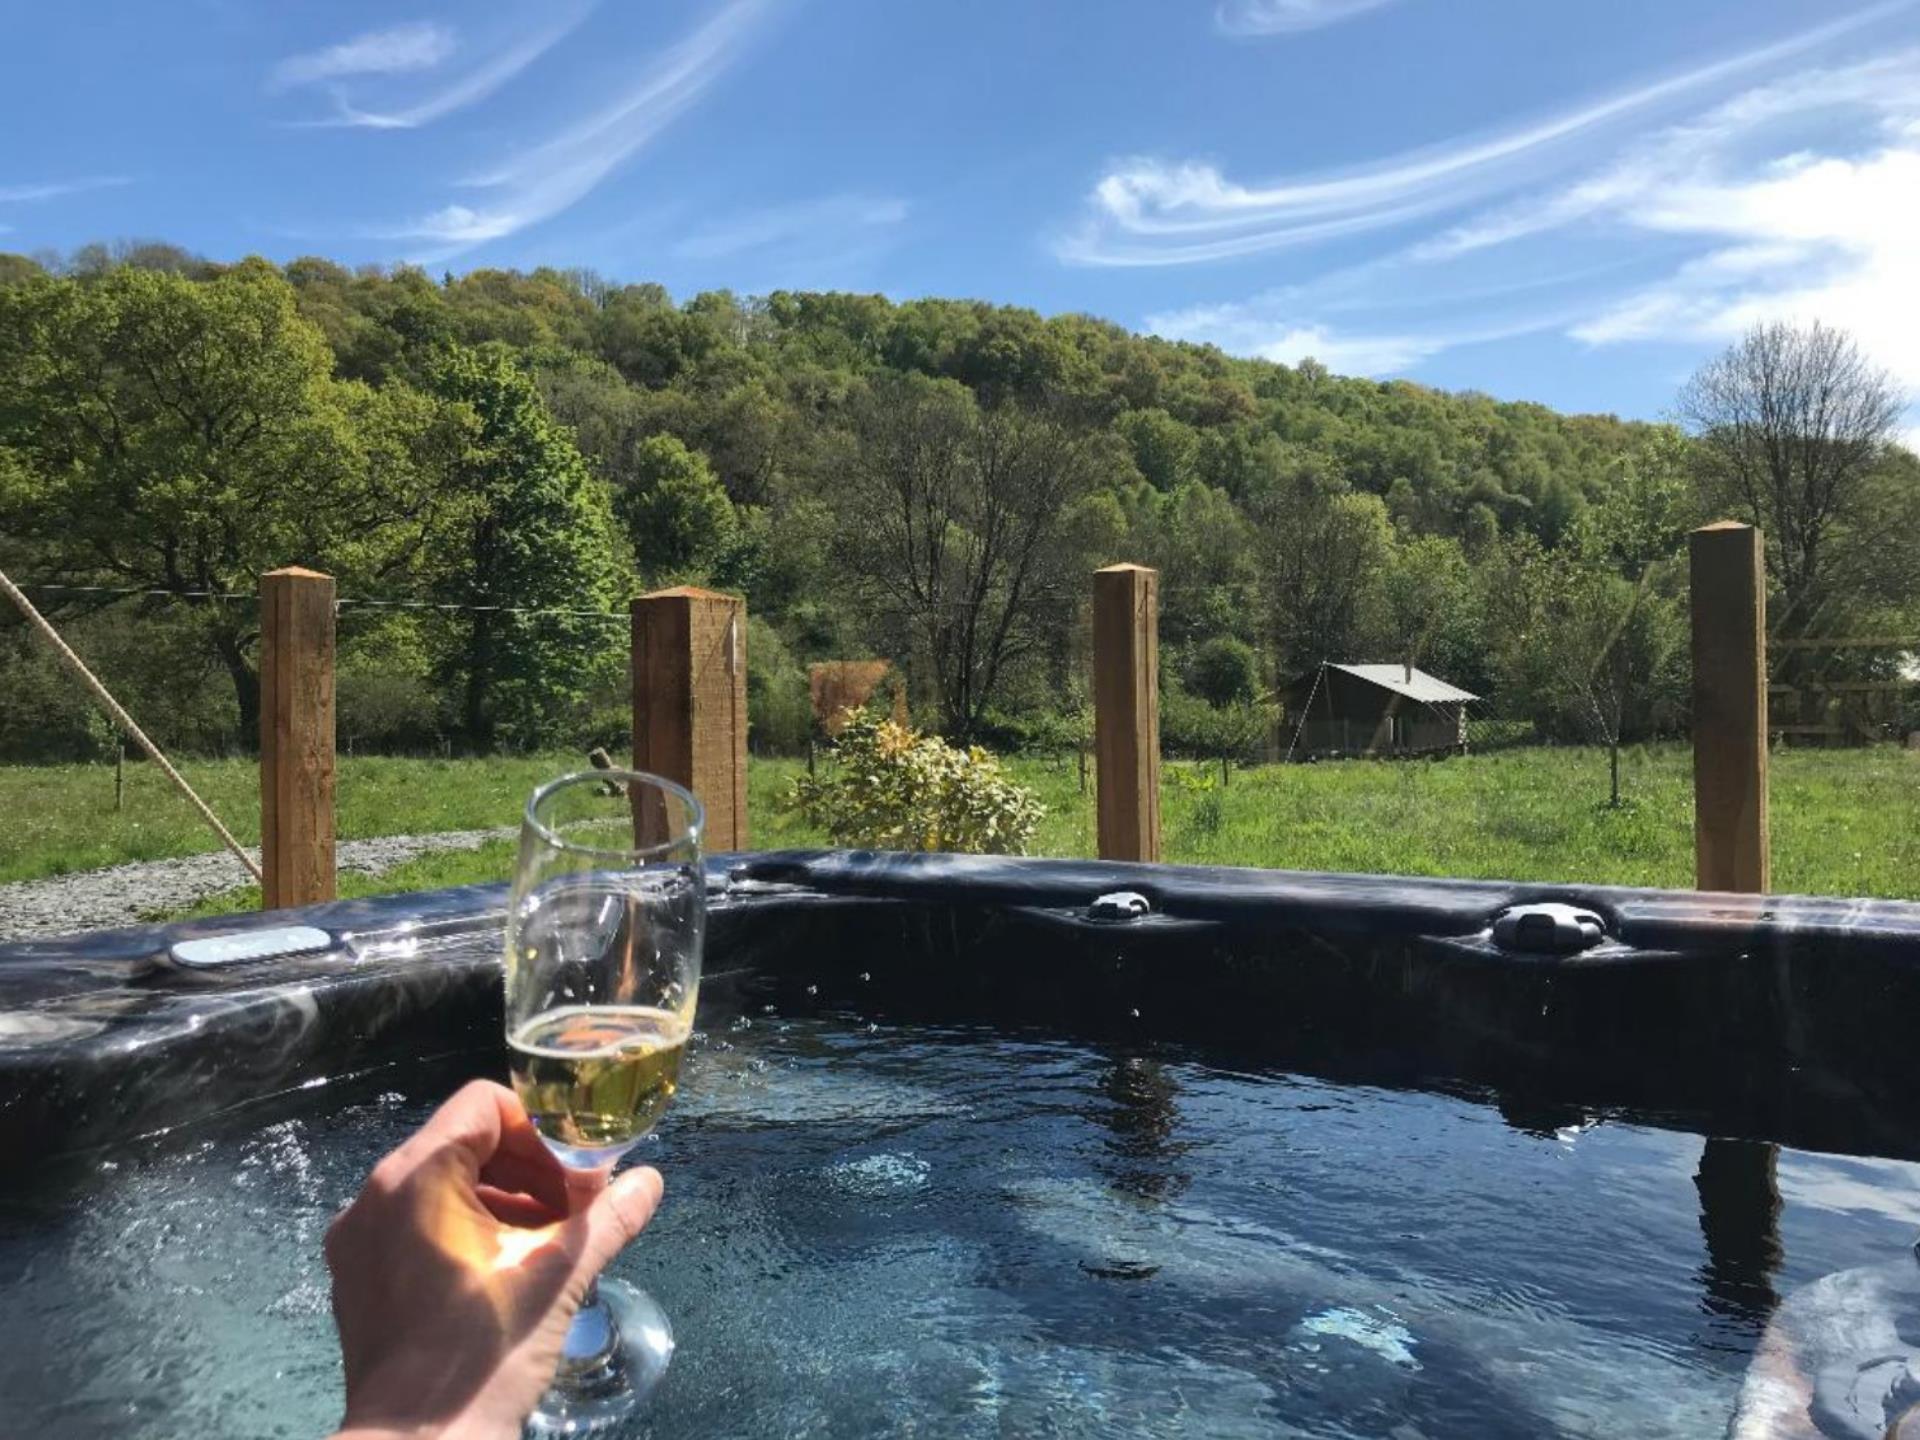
point(1224, 671)
point(1201, 543)
point(152, 655)
point(1428, 612)
point(1231, 733)
point(1618, 619)
point(1577, 645)
point(530, 551)
point(641, 334)
point(1642, 520)
point(682, 525)
point(184, 436)
point(1320, 557)
point(1290, 508)
point(15, 268)
point(1163, 448)
point(1481, 529)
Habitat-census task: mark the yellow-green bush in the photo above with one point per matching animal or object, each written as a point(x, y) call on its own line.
point(892, 788)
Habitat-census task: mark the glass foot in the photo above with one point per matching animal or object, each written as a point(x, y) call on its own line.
point(616, 1352)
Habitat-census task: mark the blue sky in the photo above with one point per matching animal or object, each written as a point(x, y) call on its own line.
point(1545, 199)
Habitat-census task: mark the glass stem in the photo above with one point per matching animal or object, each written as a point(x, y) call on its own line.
point(593, 1334)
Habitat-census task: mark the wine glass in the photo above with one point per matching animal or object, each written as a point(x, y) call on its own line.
point(604, 931)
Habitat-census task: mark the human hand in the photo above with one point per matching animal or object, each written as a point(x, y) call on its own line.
point(460, 1264)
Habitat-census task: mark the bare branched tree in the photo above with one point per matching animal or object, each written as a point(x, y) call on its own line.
point(1792, 423)
point(957, 529)
point(1612, 645)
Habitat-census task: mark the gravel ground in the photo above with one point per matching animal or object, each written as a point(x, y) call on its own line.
point(122, 894)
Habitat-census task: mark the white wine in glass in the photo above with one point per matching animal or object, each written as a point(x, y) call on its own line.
point(598, 1075)
point(604, 936)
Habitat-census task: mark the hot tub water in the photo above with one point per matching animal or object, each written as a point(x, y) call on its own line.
point(881, 1230)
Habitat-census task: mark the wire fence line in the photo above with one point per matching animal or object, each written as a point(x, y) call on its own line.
point(403, 684)
point(344, 602)
point(385, 705)
point(371, 603)
point(123, 720)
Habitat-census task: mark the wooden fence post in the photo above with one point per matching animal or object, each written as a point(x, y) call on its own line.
point(1126, 710)
point(296, 737)
point(1729, 603)
point(690, 701)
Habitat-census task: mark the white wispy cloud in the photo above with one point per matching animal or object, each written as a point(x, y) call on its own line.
point(1797, 199)
point(835, 221)
point(1147, 211)
point(1826, 238)
point(418, 45)
point(1288, 17)
point(1792, 225)
point(468, 89)
point(1883, 87)
point(54, 189)
point(370, 61)
point(1375, 338)
point(1261, 329)
point(542, 181)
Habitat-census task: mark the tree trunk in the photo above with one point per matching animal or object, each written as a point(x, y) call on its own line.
point(246, 685)
point(479, 678)
point(1613, 768)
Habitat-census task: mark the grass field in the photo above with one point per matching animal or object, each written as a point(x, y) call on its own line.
point(1845, 822)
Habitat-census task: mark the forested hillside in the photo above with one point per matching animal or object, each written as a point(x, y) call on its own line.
point(491, 463)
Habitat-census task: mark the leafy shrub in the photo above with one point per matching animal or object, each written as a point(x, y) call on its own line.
point(892, 788)
point(779, 709)
point(1207, 814)
point(1194, 730)
point(606, 721)
point(158, 665)
point(1038, 732)
point(384, 696)
point(382, 709)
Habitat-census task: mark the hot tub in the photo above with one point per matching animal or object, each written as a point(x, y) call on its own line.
point(983, 1147)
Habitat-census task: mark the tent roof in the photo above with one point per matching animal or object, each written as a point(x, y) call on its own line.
point(1425, 688)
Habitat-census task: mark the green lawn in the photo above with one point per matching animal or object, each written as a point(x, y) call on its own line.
point(61, 817)
point(1844, 821)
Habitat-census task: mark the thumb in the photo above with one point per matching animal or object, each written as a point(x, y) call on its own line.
point(617, 1214)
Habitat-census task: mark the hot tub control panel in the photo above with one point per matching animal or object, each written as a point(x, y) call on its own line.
point(211, 951)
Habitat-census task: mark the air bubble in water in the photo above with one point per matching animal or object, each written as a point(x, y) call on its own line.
point(813, 989)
